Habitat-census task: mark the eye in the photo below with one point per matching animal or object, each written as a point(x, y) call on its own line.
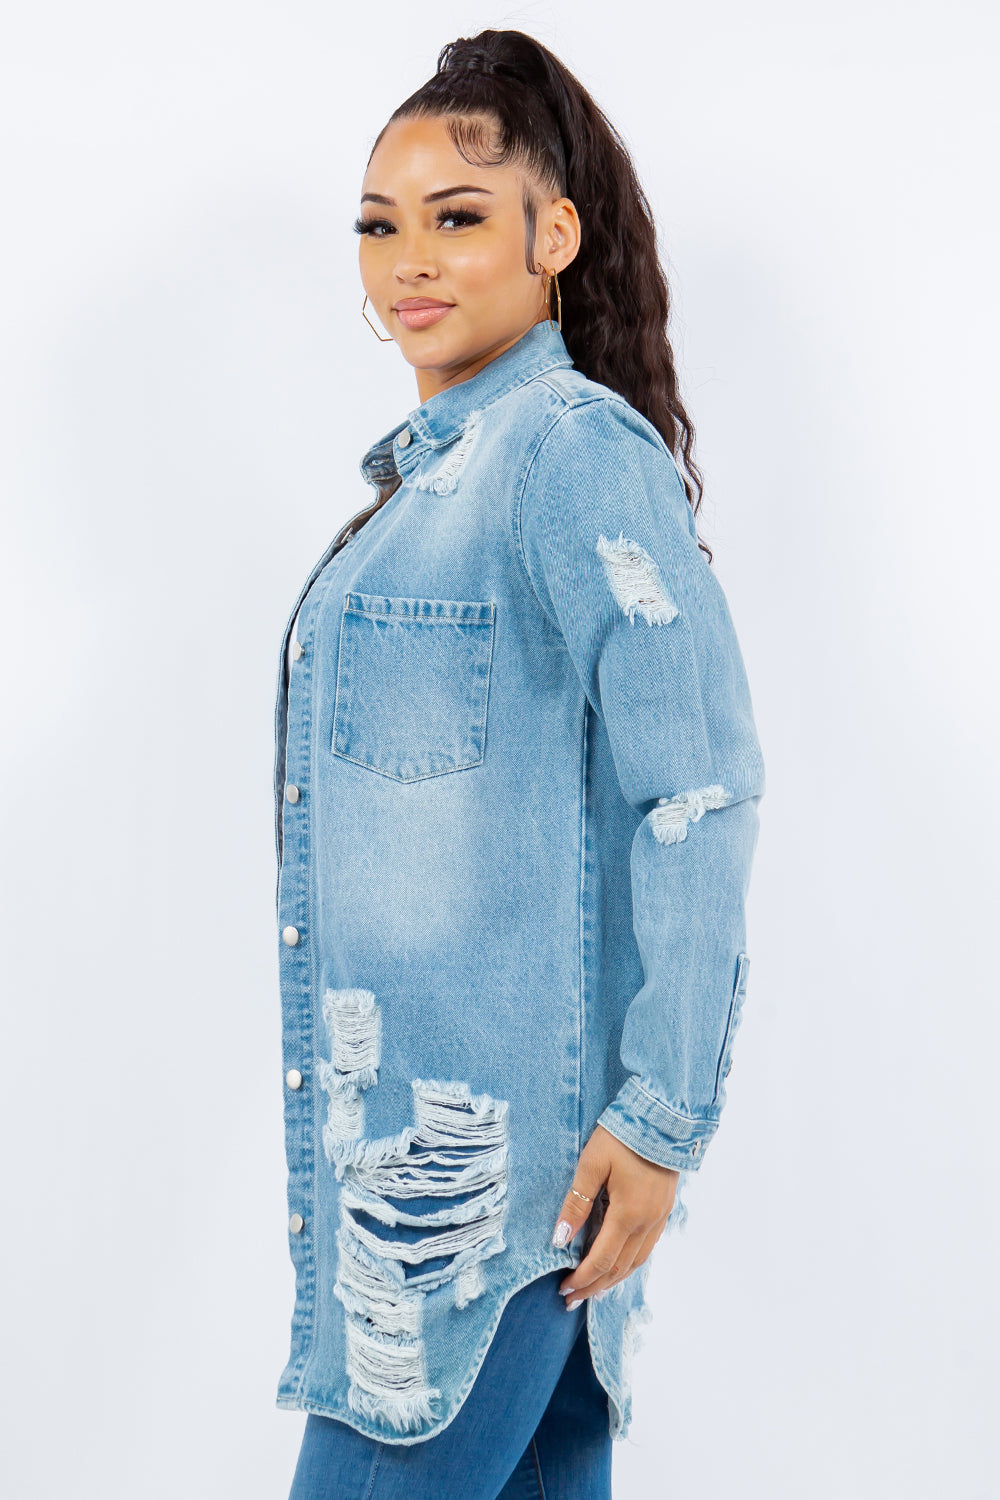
point(459, 216)
point(462, 218)
point(371, 226)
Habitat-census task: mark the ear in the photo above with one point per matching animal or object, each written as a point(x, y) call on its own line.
point(561, 234)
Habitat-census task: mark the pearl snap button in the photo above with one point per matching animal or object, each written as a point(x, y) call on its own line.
point(290, 936)
point(293, 1078)
point(292, 793)
point(296, 1223)
point(297, 649)
point(404, 438)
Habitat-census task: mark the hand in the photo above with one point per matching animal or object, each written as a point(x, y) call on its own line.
point(640, 1196)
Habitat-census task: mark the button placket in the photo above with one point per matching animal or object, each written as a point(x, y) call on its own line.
point(296, 961)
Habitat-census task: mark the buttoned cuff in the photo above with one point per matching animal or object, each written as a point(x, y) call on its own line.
point(652, 1130)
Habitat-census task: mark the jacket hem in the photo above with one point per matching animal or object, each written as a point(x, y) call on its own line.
point(342, 1413)
point(619, 1391)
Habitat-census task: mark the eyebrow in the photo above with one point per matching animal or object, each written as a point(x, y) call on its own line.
point(465, 187)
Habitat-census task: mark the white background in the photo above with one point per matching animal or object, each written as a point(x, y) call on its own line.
point(188, 386)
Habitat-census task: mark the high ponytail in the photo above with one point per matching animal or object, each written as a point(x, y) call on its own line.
point(615, 298)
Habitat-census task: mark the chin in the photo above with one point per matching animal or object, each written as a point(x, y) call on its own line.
point(426, 353)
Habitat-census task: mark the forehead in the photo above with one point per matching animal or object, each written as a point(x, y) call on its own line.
point(418, 156)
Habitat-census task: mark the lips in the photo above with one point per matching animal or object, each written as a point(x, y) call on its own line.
point(421, 312)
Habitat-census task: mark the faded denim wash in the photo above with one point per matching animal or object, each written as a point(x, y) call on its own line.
point(539, 1435)
point(516, 805)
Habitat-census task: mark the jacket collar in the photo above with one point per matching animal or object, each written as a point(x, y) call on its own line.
point(441, 418)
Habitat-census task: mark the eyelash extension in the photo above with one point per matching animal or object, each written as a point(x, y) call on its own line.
point(460, 215)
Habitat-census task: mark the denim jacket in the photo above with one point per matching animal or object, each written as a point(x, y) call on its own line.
point(517, 782)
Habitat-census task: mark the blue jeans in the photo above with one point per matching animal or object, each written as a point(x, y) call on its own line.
point(532, 1428)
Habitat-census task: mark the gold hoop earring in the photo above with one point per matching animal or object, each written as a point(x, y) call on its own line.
point(549, 277)
point(387, 339)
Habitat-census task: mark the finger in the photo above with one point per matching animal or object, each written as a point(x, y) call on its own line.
point(643, 1253)
point(578, 1203)
point(622, 1268)
point(639, 1247)
point(603, 1260)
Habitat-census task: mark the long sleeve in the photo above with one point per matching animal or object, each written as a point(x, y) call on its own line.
point(609, 543)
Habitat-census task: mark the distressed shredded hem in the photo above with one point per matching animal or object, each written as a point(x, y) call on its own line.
point(563, 1260)
point(383, 1306)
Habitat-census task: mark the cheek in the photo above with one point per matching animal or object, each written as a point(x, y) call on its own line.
point(373, 269)
point(489, 269)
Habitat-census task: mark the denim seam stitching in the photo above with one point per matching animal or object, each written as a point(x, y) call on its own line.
point(567, 408)
point(687, 1119)
point(581, 919)
point(371, 1482)
point(538, 1469)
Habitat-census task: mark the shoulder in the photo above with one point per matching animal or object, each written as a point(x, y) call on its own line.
point(581, 409)
point(590, 448)
point(565, 396)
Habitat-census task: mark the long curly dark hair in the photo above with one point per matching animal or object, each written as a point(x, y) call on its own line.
point(508, 99)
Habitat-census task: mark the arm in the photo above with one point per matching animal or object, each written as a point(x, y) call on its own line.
point(609, 544)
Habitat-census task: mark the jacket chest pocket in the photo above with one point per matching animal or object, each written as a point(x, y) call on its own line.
point(413, 679)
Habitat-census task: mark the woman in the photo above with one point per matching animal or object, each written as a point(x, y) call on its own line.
point(516, 783)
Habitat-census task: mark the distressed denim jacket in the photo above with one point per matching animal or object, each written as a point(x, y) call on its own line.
point(517, 783)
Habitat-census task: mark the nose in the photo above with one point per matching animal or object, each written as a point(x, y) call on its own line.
point(415, 259)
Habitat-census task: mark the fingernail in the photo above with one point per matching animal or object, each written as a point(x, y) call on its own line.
point(575, 1303)
point(562, 1234)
